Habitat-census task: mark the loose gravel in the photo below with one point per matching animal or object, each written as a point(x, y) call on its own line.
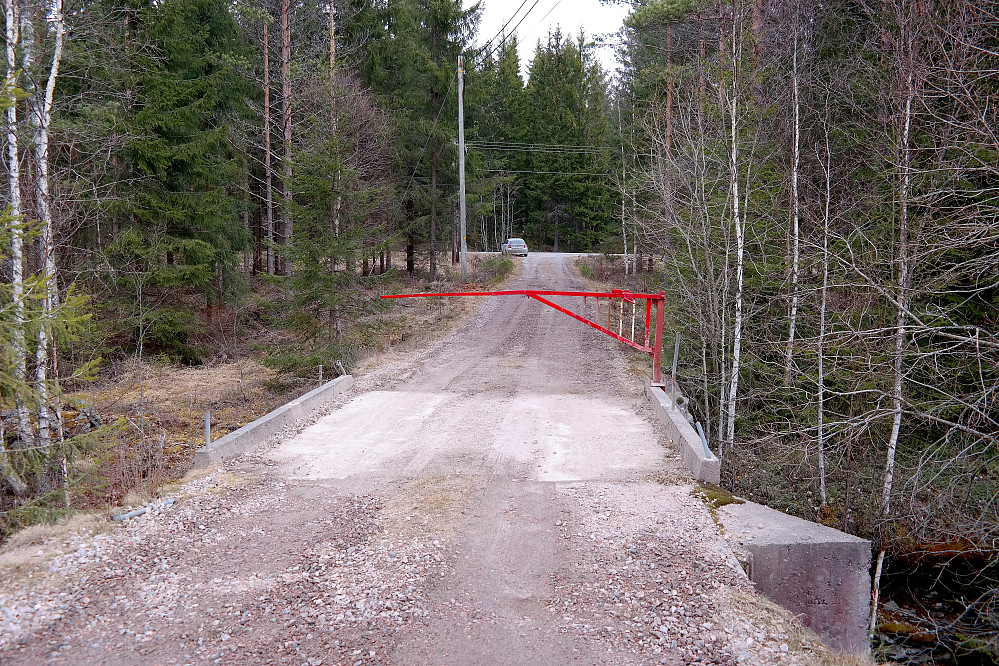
point(474, 541)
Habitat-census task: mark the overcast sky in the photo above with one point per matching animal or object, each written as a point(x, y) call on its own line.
point(593, 17)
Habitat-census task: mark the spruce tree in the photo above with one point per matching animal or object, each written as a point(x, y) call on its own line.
point(184, 200)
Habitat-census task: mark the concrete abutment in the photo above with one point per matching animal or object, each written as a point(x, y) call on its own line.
point(820, 574)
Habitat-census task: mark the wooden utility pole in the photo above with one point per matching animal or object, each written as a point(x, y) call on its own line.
point(461, 164)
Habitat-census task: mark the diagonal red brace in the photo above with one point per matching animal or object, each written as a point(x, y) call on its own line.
point(647, 350)
point(654, 350)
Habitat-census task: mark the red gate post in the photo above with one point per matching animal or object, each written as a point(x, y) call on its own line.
point(657, 348)
point(648, 320)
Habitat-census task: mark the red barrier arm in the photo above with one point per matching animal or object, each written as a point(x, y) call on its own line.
point(654, 350)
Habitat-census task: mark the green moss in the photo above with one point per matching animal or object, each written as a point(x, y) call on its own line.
point(715, 496)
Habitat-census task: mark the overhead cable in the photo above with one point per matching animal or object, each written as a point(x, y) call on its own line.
point(553, 173)
point(538, 147)
point(505, 24)
point(513, 31)
point(430, 135)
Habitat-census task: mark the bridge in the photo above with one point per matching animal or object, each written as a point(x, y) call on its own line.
point(518, 492)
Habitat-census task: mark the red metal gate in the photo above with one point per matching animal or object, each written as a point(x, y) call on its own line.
point(619, 296)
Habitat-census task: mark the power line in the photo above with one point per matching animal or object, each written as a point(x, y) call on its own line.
point(538, 147)
point(430, 135)
point(512, 16)
point(514, 30)
point(543, 18)
point(552, 173)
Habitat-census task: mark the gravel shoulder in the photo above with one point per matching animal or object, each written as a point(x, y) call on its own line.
point(502, 496)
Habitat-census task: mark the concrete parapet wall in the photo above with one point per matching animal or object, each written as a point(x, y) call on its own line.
point(263, 429)
point(682, 435)
point(820, 574)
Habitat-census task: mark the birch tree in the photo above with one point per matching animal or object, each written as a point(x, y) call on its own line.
point(19, 351)
point(42, 112)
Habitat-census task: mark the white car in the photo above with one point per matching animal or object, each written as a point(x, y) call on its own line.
point(514, 246)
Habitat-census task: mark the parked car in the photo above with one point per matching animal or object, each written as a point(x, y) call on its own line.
point(514, 246)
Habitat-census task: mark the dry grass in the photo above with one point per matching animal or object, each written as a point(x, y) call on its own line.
point(38, 535)
point(25, 553)
point(172, 401)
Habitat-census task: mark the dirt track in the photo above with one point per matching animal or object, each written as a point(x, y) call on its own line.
point(502, 497)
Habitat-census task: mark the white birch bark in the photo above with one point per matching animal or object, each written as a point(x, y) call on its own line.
point(795, 215)
point(823, 307)
point(740, 233)
point(42, 121)
point(904, 161)
point(898, 376)
point(12, 35)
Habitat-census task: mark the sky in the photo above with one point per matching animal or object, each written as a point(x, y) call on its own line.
point(595, 19)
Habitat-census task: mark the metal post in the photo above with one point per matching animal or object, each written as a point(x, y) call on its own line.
point(676, 355)
point(657, 347)
point(320, 374)
point(648, 320)
point(704, 441)
point(461, 162)
point(208, 428)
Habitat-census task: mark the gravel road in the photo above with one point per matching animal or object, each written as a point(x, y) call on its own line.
point(501, 497)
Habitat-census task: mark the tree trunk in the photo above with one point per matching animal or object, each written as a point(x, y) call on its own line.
point(740, 240)
point(334, 129)
point(433, 216)
point(702, 55)
point(795, 214)
point(248, 254)
point(904, 193)
point(268, 165)
point(410, 255)
point(43, 118)
point(286, 128)
point(823, 308)
point(19, 350)
point(669, 93)
point(898, 375)
point(556, 219)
